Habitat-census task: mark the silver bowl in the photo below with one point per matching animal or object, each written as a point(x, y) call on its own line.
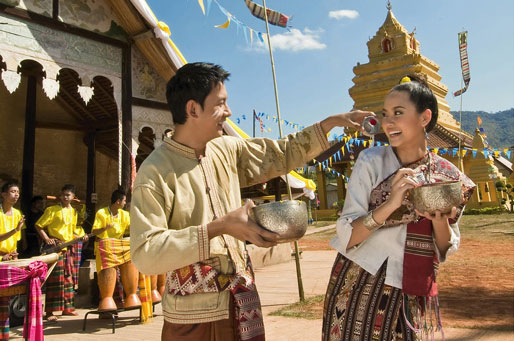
point(289, 219)
point(439, 196)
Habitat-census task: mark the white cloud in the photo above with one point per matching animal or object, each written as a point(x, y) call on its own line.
point(343, 13)
point(294, 40)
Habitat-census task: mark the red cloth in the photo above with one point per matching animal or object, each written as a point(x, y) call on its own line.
point(36, 273)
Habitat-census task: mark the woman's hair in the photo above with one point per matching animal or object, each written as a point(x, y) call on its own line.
point(419, 94)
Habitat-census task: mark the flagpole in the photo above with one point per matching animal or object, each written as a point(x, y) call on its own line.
point(460, 128)
point(290, 196)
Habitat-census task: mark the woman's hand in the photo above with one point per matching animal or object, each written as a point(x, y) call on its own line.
point(401, 183)
point(437, 217)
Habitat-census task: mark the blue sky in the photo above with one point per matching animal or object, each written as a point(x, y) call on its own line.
point(314, 60)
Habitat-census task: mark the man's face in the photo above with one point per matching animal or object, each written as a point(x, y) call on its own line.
point(210, 119)
point(122, 202)
point(12, 195)
point(67, 197)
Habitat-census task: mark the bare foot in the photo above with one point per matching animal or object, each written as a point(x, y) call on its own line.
point(51, 318)
point(70, 313)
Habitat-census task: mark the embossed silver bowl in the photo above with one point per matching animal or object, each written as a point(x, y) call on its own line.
point(440, 196)
point(288, 218)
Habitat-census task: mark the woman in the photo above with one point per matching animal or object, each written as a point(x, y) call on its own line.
point(380, 289)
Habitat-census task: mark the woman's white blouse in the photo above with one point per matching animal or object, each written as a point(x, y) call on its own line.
point(372, 167)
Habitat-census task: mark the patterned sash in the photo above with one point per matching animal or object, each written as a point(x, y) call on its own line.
point(420, 261)
point(201, 277)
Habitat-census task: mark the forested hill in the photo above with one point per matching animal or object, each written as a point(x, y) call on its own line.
point(499, 126)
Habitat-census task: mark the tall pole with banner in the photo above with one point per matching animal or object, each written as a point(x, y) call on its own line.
point(464, 64)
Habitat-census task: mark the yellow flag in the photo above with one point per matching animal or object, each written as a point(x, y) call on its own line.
point(464, 152)
point(251, 42)
point(435, 150)
point(200, 2)
point(479, 120)
point(225, 25)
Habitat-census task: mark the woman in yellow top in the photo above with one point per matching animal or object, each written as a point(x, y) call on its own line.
point(111, 250)
point(60, 223)
point(11, 222)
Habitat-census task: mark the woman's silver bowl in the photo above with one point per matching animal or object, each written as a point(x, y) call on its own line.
point(439, 196)
point(289, 219)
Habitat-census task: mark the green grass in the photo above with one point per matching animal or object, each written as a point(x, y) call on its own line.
point(310, 309)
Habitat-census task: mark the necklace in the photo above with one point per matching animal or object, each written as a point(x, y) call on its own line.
point(4, 218)
point(112, 217)
point(65, 218)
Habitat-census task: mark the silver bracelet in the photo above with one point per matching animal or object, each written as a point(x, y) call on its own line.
point(370, 223)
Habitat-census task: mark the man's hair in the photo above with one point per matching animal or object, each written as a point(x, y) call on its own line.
point(36, 198)
point(117, 195)
point(193, 81)
point(68, 187)
point(8, 185)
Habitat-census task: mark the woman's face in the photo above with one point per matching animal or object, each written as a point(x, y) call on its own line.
point(401, 122)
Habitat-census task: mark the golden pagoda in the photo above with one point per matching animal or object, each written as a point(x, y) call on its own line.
point(394, 52)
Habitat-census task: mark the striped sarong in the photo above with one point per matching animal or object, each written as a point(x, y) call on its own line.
point(360, 306)
point(111, 252)
point(59, 285)
point(4, 318)
point(76, 252)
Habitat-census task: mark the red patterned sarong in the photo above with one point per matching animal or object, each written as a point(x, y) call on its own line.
point(200, 278)
point(59, 285)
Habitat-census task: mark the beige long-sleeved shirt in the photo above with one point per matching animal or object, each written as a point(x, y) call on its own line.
point(176, 194)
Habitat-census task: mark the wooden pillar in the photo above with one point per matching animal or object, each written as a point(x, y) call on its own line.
point(29, 144)
point(340, 188)
point(91, 181)
point(322, 189)
point(276, 186)
point(126, 120)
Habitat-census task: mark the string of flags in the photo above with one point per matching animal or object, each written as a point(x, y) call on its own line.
point(352, 140)
point(260, 116)
point(274, 17)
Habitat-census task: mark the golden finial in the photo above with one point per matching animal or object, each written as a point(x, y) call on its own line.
point(389, 7)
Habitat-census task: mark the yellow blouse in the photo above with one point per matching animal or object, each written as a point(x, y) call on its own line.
point(121, 223)
point(9, 223)
point(61, 223)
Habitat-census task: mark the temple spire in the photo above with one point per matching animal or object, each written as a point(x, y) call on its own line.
point(389, 6)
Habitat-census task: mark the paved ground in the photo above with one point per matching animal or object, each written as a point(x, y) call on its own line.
point(277, 287)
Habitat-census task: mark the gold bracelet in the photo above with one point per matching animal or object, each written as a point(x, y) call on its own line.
point(370, 223)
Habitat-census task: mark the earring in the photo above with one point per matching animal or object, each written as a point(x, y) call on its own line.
point(426, 134)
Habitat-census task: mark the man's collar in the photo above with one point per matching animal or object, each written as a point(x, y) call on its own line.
point(180, 148)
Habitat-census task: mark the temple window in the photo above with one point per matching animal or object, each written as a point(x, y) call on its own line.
point(386, 45)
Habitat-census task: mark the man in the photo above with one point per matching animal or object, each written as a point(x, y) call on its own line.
point(60, 223)
point(111, 224)
point(11, 224)
point(37, 206)
point(187, 219)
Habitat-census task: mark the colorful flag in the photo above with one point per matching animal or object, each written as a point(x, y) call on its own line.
point(274, 17)
point(479, 120)
point(464, 64)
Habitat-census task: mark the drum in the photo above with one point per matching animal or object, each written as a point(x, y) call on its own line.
point(18, 301)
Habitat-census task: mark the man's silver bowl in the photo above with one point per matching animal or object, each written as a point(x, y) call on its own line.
point(439, 196)
point(289, 219)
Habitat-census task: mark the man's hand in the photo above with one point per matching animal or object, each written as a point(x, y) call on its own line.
point(50, 241)
point(239, 225)
point(352, 119)
point(20, 224)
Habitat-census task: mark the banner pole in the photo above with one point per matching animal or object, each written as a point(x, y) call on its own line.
point(290, 196)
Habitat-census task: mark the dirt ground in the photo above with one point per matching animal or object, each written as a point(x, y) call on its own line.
point(476, 285)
